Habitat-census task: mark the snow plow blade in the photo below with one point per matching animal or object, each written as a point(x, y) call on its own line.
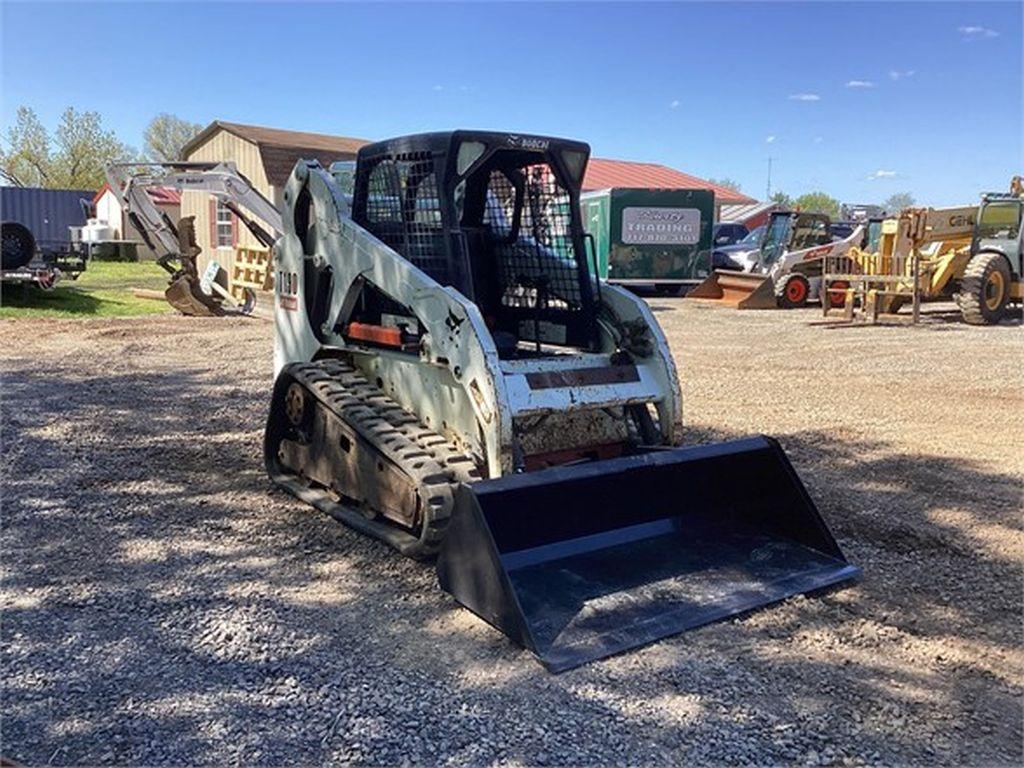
point(580, 562)
point(741, 290)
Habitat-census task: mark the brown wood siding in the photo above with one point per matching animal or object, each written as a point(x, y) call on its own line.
point(223, 147)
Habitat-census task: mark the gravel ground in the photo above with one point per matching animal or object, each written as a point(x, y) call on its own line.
point(162, 604)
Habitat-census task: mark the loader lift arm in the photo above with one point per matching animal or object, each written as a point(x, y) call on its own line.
point(175, 243)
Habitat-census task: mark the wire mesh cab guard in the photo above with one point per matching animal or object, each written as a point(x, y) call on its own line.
point(494, 215)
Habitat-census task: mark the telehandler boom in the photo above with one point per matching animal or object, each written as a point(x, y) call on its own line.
point(452, 380)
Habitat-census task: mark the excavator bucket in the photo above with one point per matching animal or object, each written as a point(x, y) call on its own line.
point(741, 290)
point(580, 562)
point(184, 297)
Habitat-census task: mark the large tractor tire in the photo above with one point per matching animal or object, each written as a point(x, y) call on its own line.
point(792, 292)
point(985, 289)
point(18, 246)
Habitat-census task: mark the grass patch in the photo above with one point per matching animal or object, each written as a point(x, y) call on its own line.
point(103, 290)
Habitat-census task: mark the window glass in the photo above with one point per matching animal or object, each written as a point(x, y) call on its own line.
point(384, 194)
point(225, 229)
point(1000, 219)
point(499, 211)
point(775, 240)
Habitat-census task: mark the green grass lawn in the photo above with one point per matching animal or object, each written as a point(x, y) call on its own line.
point(103, 290)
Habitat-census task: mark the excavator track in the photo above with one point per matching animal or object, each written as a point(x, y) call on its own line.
point(338, 442)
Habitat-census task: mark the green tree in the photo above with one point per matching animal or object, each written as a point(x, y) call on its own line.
point(727, 183)
point(898, 201)
point(782, 199)
point(27, 156)
point(83, 147)
point(166, 134)
point(818, 202)
point(72, 158)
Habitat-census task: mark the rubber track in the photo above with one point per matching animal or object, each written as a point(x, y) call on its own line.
point(423, 455)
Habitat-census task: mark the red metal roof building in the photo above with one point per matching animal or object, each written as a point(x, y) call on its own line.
point(603, 173)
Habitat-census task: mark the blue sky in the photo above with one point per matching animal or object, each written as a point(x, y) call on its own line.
point(858, 99)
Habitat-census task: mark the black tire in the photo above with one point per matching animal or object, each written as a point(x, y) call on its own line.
point(792, 292)
point(985, 289)
point(18, 246)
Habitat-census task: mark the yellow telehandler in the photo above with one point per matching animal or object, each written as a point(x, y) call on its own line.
point(971, 254)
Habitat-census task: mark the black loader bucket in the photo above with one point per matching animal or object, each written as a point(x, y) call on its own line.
point(580, 562)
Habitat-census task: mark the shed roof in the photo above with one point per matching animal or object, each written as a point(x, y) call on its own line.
point(159, 195)
point(741, 213)
point(603, 173)
point(281, 149)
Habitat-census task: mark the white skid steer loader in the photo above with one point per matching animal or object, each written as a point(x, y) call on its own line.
point(784, 271)
point(451, 379)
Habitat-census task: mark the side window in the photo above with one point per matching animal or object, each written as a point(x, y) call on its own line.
point(821, 234)
point(500, 207)
point(384, 194)
point(426, 202)
point(225, 227)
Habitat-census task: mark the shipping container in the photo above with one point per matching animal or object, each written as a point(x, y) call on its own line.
point(46, 213)
point(650, 236)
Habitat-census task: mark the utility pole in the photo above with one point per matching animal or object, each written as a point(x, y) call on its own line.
point(768, 194)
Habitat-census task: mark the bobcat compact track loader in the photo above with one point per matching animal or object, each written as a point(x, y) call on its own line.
point(452, 380)
point(784, 271)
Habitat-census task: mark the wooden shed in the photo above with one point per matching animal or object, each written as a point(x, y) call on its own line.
point(108, 209)
point(266, 157)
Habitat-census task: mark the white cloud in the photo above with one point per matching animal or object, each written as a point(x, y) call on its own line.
point(438, 87)
point(859, 84)
point(896, 74)
point(976, 32)
point(804, 97)
point(674, 104)
point(882, 174)
point(769, 140)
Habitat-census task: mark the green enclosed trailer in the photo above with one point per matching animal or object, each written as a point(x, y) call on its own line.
point(659, 237)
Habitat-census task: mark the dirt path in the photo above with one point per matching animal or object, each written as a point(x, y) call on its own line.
point(162, 604)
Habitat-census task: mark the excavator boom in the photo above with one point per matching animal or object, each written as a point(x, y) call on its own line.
point(190, 292)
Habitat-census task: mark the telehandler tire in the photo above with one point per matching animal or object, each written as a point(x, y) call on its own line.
point(984, 289)
point(792, 292)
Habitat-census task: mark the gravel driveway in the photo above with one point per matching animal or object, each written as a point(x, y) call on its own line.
point(162, 604)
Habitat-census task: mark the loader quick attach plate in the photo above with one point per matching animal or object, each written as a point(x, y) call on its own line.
point(578, 563)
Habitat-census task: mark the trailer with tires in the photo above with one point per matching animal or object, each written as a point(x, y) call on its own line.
point(37, 234)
